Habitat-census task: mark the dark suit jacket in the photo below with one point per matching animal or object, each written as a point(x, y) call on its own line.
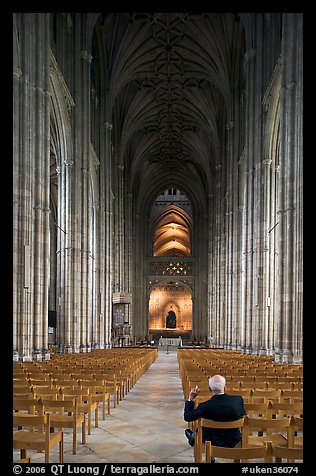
point(222, 407)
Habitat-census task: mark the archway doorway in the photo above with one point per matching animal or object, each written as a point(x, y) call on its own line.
point(170, 311)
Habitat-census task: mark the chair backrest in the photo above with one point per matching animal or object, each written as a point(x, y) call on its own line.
point(243, 392)
point(292, 395)
point(257, 409)
point(26, 405)
point(206, 423)
point(38, 421)
point(296, 426)
point(285, 409)
point(239, 455)
point(21, 387)
point(278, 453)
point(267, 394)
point(82, 394)
point(53, 393)
point(24, 395)
point(65, 383)
point(263, 425)
point(59, 406)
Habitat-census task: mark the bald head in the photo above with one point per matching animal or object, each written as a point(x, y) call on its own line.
point(217, 384)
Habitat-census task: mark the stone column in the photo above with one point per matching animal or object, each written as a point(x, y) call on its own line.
point(98, 139)
point(66, 260)
point(129, 232)
point(17, 268)
point(219, 285)
point(86, 203)
point(290, 211)
point(242, 180)
point(96, 302)
point(42, 191)
point(248, 276)
point(31, 179)
point(229, 232)
point(109, 234)
point(211, 278)
point(264, 266)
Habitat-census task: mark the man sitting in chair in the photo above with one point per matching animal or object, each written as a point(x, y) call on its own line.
point(220, 407)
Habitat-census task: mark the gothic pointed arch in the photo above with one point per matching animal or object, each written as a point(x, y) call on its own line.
point(171, 232)
point(61, 154)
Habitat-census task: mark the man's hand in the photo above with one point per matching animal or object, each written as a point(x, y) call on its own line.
point(194, 392)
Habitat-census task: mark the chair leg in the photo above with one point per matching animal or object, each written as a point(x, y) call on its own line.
point(96, 416)
point(103, 408)
point(89, 423)
point(114, 398)
point(84, 430)
point(74, 441)
point(61, 448)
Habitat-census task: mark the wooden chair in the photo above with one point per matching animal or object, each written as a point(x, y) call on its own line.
point(243, 392)
point(40, 381)
point(265, 429)
point(39, 440)
point(98, 392)
point(257, 409)
point(84, 403)
point(199, 446)
point(111, 386)
point(237, 454)
point(25, 395)
point(296, 432)
point(65, 383)
point(66, 414)
point(281, 410)
point(277, 454)
point(291, 395)
point(21, 387)
point(46, 392)
point(268, 395)
point(24, 407)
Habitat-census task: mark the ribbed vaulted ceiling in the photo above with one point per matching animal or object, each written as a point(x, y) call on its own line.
point(170, 78)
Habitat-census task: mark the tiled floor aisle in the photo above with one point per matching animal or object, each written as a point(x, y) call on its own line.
point(147, 426)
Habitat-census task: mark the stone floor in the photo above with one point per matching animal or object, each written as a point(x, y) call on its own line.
point(146, 427)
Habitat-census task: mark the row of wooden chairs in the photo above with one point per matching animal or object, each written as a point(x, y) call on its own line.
point(38, 437)
point(258, 395)
point(271, 392)
point(64, 414)
point(268, 453)
point(196, 367)
point(66, 393)
point(97, 390)
point(256, 432)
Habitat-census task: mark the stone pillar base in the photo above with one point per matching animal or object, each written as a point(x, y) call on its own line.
point(37, 356)
point(263, 351)
point(45, 354)
point(15, 356)
point(286, 357)
point(68, 349)
point(297, 359)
